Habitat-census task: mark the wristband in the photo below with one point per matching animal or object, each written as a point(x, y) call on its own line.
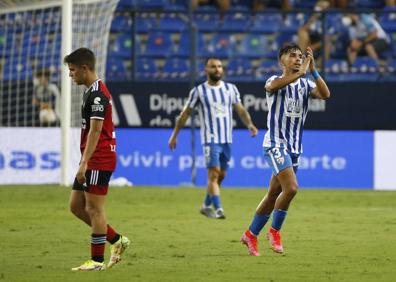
point(315, 74)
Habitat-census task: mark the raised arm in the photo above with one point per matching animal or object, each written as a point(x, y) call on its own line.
point(180, 122)
point(321, 91)
point(245, 117)
point(281, 82)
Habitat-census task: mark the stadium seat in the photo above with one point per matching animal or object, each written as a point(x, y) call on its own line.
point(183, 49)
point(151, 4)
point(146, 22)
point(267, 69)
point(254, 45)
point(280, 41)
point(364, 69)
point(116, 70)
point(159, 44)
point(333, 24)
point(239, 69)
point(172, 23)
point(387, 19)
point(121, 22)
point(17, 70)
point(221, 45)
point(267, 23)
point(207, 22)
point(336, 70)
point(122, 46)
point(235, 22)
point(176, 6)
point(126, 4)
point(146, 68)
point(175, 69)
point(293, 22)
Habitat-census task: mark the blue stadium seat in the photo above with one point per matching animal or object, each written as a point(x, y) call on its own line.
point(387, 20)
point(293, 22)
point(146, 68)
point(207, 22)
point(201, 70)
point(333, 24)
point(364, 69)
point(235, 22)
point(184, 45)
point(239, 69)
point(267, 69)
point(267, 23)
point(126, 4)
point(254, 45)
point(172, 22)
point(151, 4)
point(121, 22)
point(121, 46)
point(19, 69)
point(176, 6)
point(280, 41)
point(175, 69)
point(146, 22)
point(221, 45)
point(159, 44)
point(116, 70)
point(336, 70)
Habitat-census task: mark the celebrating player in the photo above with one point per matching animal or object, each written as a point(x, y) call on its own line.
point(287, 98)
point(97, 162)
point(215, 100)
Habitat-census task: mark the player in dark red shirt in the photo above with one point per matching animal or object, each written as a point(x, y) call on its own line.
point(98, 161)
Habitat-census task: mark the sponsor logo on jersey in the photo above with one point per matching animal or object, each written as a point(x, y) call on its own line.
point(97, 100)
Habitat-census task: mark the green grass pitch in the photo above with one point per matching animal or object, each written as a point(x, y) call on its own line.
point(329, 235)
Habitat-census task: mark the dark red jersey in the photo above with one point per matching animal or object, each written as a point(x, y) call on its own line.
point(97, 105)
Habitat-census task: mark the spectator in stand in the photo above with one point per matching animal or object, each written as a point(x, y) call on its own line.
point(46, 97)
point(310, 34)
point(366, 37)
point(284, 5)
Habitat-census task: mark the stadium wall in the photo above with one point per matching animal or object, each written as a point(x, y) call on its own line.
point(331, 159)
point(353, 105)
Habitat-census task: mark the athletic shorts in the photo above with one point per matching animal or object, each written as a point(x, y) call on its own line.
point(97, 182)
point(217, 155)
point(279, 159)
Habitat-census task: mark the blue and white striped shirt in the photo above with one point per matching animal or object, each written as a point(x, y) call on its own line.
point(287, 110)
point(214, 104)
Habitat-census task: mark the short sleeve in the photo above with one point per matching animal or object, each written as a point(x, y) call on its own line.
point(192, 98)
point(269, 80)
point(98, 105)
point(236, 98)
point(311, 85)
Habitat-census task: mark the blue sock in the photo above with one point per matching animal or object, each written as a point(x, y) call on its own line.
point(258, 223)
point(208, 200)
point(278, 218)
point(216, 201)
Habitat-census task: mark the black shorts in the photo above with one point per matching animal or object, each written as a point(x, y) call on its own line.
point(97, 182)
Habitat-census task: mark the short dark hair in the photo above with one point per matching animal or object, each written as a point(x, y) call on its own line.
point(287, 49)
point(81, 56)
point(211, 58)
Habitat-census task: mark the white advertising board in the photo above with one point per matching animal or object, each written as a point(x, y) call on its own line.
point(32, 155)
point(384, 160)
